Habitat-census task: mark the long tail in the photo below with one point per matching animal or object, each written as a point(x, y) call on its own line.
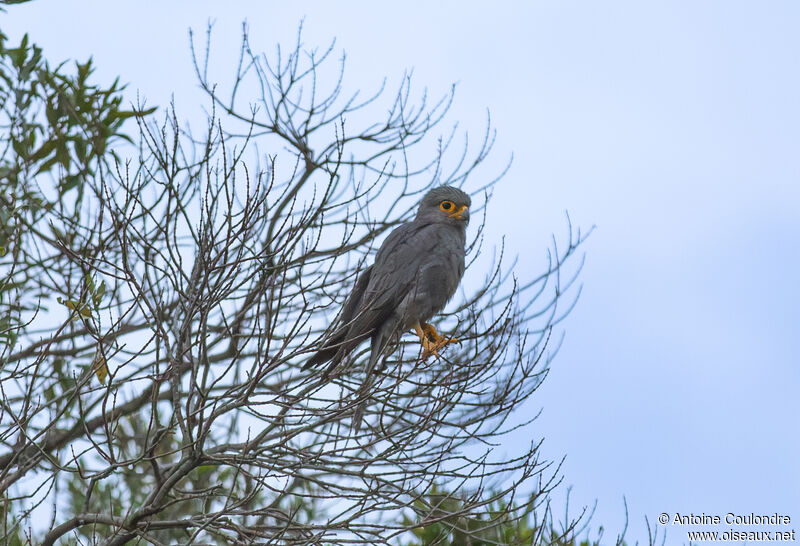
point(325, 354)
point(335, 350)
point(380, 340)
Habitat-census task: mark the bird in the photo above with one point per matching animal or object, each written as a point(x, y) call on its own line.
point(416, 272)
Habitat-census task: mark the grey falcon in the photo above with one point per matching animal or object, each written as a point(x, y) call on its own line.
point(416, 271)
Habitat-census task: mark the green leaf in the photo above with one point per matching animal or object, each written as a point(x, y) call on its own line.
point(69, 182)
point(97, 297)
point(125, 114)
point(47, 165)
point(43, 151)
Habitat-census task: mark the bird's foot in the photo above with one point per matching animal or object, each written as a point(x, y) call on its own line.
point(430, 340)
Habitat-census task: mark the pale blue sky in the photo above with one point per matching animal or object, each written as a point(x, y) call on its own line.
point(672, 126)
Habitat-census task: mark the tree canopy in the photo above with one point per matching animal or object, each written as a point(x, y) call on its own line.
point(161, 287)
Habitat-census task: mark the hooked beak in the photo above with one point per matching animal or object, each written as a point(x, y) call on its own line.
point(460, 214)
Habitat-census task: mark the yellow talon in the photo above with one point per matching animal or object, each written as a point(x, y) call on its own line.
point(430, 339)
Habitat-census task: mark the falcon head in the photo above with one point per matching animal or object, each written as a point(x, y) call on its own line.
point(444, 204)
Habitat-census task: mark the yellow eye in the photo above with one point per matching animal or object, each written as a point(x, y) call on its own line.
point(447, 206)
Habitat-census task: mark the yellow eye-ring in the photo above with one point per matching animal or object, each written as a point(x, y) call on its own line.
point(447, 206)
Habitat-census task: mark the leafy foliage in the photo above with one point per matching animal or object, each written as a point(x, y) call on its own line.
point(503, 522)
point(56, 122)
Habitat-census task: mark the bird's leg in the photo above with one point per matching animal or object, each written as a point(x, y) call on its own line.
point(430, 339)
point(434, 336)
